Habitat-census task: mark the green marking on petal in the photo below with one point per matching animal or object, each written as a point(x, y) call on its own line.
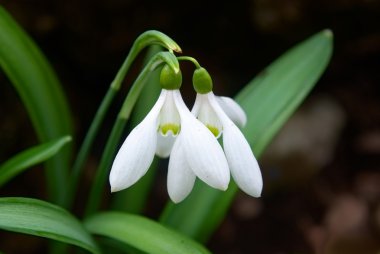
point(214, 130)
point(174, 128)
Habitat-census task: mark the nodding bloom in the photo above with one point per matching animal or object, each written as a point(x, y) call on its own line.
point(219, 115)
point(195, 152)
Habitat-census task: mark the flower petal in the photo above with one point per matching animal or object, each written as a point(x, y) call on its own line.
point(180, 176)
point(202, 150)
point(232, 110)
point(164, 144)
point(206, 114)
point(137, 152)
point(169, 120)
point(197, 105)
point(243, 164)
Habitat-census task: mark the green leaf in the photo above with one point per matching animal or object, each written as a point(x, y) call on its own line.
point(30, 157)
point(40, 91)
point(142, 233)
point(268, 100)
point(39, 218)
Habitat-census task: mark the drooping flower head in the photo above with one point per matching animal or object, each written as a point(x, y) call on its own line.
point(219, 115)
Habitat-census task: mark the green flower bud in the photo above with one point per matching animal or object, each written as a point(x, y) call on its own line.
point(169, 79)
point(202, 81)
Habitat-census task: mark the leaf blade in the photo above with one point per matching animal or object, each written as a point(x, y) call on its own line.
point(30, 157)
point(142, 233)
point(40, 218)
point(39, 89)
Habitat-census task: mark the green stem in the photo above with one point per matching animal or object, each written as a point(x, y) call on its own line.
point(117, 130)
point(144, 40)
point(190, 59)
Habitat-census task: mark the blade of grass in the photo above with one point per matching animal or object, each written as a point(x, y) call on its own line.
point(39, 218)
point(142, 233)
point(30, 157)
point(41, 93)
point(268, 100)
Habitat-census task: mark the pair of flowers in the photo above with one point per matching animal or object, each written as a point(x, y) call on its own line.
point(190, 139)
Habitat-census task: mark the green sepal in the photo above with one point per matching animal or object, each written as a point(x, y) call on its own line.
point(170, 79)
point(202, 81)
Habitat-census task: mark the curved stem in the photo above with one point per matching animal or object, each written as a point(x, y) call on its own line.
point(190, 59)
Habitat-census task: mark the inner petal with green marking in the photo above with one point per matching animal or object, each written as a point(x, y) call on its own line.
point(214, 130)
point(208, 116)
point(169, 119)
point(170, 127)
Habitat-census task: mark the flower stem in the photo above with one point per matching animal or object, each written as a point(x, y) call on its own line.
point(144, 40)
point(117, 130)
point(191, 59)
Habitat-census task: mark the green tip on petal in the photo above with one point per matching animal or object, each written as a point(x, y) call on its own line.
point(202, 81)
point(214, 130)
point(170, 79)
point(174, 128)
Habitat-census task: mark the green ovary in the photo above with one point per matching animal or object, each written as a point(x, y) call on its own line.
point(213, 129)
point(174, 128)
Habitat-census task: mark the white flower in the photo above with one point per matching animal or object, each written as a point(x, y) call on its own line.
point(196, 152)
point(217, 114)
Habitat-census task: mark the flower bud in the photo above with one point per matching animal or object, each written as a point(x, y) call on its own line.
point(202, 81)
point(169, 79)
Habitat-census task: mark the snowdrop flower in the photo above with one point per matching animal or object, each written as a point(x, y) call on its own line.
point(217, 114)
point(199, 152)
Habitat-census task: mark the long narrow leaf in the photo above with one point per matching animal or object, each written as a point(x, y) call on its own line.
point(39, 218)
point(30, 157)
point(142, 233)
point(268, 100)
point(40, 91)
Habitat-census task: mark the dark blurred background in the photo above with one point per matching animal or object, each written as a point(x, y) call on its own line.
point(321, 174)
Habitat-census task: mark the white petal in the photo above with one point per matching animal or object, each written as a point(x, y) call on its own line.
point(135, 156)
point(206, 114)
point(202, 150)
point(164, 144)
point(232, 110)
point(197, 105)
point(137, 152)
point(243, 164)
point(180, 176)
